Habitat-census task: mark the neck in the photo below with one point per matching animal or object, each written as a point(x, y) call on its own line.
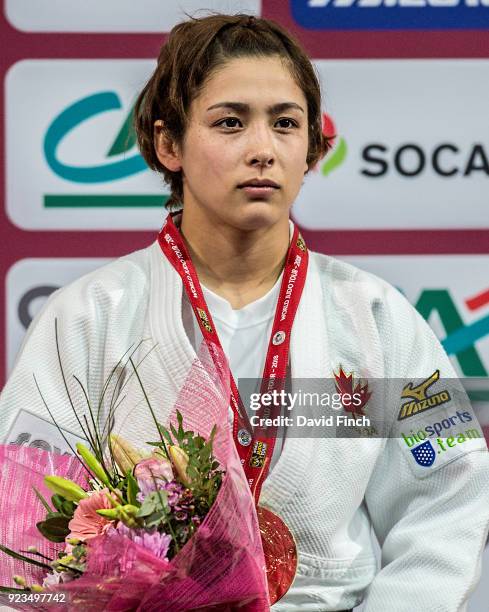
point(240, 266)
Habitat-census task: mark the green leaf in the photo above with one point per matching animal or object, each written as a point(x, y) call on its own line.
point(132, 490)
point(63, 506)
point(16, 555)
point(156, 501)
point(57, 501)
point(55, 528)
point(147, 507)
point(53, 514)
point(166, 435)
point(4, 589)
point(205, 453)
point(78, 551)
point(68, 508)
point(155, 519)
point(181, 431)
point(192, 472)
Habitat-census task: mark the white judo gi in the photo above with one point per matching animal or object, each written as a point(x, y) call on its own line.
point(431, 521)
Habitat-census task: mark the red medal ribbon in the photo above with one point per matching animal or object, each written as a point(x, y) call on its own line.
point(255, 445)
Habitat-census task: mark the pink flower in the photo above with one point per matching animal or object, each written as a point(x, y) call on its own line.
point(152, 540)
point(152, 474)
point(86, 523)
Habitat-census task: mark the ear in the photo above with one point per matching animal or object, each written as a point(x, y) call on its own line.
point(166, 152)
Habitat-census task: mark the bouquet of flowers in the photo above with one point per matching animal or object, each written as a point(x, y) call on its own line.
point(112, 527)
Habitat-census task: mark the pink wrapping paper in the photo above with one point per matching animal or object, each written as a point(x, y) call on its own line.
point(221, 568)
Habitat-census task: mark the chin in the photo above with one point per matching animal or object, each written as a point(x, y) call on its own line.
point(257, 215)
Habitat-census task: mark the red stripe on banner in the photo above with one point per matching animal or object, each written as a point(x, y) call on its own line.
point(478, 301)
point(396, 242)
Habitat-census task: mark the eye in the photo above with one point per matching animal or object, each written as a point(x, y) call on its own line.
point(286, 120)
point(229, 122)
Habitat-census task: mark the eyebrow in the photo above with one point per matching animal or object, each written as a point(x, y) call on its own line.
point(241, 107)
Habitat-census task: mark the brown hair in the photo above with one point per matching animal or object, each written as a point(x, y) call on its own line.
point(195, 49)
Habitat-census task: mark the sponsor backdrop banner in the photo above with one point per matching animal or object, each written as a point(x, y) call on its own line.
point(414, 168)
point(391, 14)
point(29, 284)
point(452, 293)
point(84, 167)
point(405, 155)
point(112, 15)
point(402, 193)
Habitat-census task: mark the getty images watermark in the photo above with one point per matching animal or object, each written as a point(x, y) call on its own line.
point(282, 399)
point(348, 406)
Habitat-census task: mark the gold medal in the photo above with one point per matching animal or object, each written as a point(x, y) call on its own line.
point(280, 552)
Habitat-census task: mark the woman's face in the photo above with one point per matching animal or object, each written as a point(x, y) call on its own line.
point(248, 124)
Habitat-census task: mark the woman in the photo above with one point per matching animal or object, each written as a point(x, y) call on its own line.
point(231, 118)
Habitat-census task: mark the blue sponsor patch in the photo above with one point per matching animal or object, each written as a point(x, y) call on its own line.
point(391, 14)
point(424, 454)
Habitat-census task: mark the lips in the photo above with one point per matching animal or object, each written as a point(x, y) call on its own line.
point(257, 183)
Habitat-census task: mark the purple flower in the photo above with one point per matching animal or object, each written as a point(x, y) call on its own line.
point(154, 541)
point(174, 492)
point(180, 500)
point(152, 474)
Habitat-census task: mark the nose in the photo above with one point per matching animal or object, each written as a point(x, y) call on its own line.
point(262, 160)
point(260, 152)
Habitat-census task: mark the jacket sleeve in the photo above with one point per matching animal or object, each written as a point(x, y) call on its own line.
point(428, 496)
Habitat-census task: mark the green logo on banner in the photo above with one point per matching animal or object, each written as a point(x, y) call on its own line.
point(337, 155)
point(113, 170)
